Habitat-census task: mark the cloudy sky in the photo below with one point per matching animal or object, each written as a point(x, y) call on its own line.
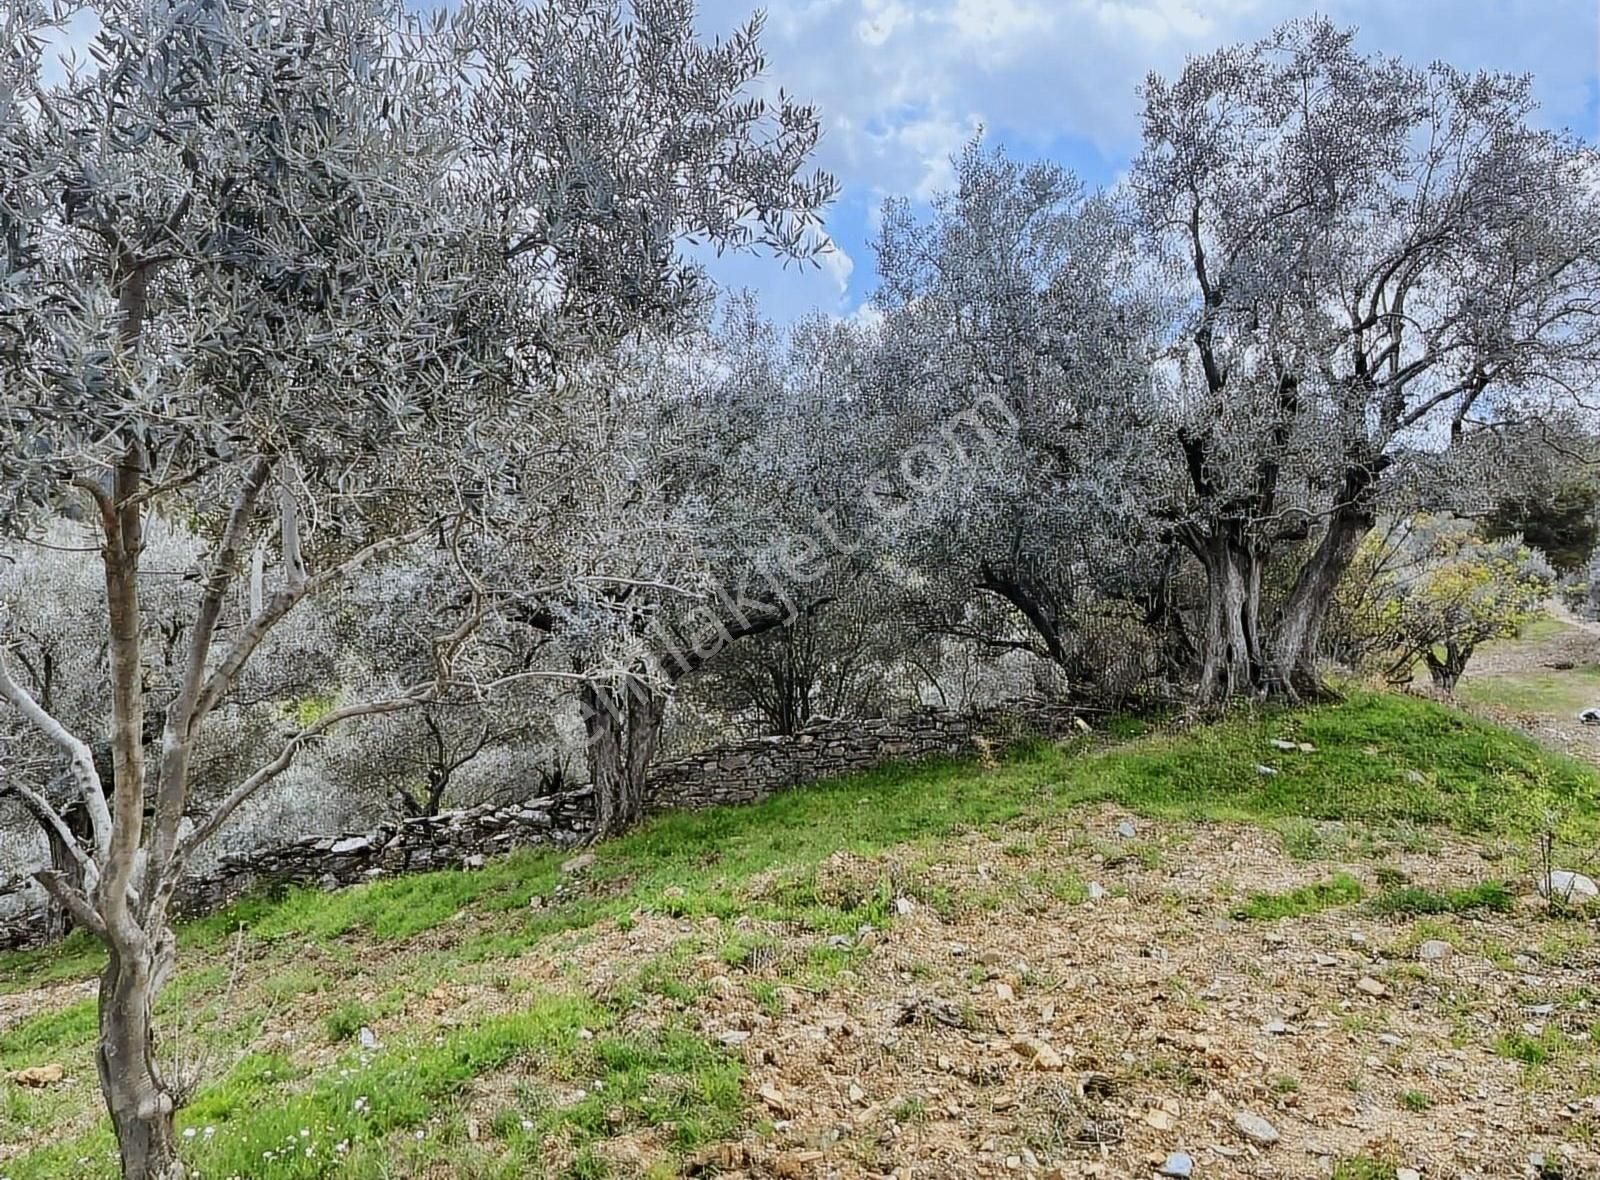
point(902, 84)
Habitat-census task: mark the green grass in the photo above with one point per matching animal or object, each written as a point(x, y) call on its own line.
point(1412, 900)
point(1341, 890)
point(1388, 764)
point(1537, 690)
point(1531, 1050)
point(1363, 1167)
point(44, 1037)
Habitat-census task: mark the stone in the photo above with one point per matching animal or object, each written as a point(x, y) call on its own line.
point(1275, 1028)
point(776, 1100)
point(1004, 992)
point(1435, 950)
point(1280, 744)
point(39, 1076)
point(578, 863)
point(1371, 987)
point(1037, 1051)
point(351, 844)
point(368, 1038)
point(1160, 1120)
point(1126, 830)
point(904, 906)
point(793, 1165)
point(1097, 891)
point(1573, 888)
point(1266, 771)
point(1179, 1165)
point(1255, 1128)
point(1407, 1174)
point(733, 1037)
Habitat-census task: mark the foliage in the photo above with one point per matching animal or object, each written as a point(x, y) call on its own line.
point(1430, 588)
point(1563, 525)
point(1341, 890)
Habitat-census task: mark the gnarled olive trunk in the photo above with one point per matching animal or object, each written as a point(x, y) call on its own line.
point(140, 1103)
point(1446, 671)
point(1296, 638)
point(1230, 650)
point(624, 723)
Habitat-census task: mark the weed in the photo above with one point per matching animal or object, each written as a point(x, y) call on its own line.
point(1414, 899)
point(1340, 890)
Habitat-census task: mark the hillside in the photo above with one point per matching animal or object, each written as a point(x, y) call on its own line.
point(1071, 962)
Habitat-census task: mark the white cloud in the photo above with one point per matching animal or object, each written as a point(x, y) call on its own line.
point(882, 18)
point(1002, 21)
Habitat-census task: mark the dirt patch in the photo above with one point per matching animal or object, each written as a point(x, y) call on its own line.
point(994, 1029)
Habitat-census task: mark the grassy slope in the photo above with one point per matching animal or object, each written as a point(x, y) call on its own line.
point(1384, 768)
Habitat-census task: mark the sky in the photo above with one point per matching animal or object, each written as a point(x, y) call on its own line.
point(901, 85)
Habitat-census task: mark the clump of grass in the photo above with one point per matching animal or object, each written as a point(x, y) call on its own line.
point(1415, 899)
point(1532, 1051)
point(346, 1020)
point(1340, 890)
point(1415, 1100)
point(1362, 1167)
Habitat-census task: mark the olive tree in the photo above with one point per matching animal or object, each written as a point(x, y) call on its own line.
point(604, 144)
point(315, 277)
point(239, 288)
point(1019, 304)
point(1369, 256)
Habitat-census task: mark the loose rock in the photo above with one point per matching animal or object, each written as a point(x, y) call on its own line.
point(1255, 1128)
point(1179, 1165)
point(1573, 888)
point(38, 1076)
point(578, 863)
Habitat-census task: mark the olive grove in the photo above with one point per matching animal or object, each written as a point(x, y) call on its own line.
point(256, 277)
point(372, 445)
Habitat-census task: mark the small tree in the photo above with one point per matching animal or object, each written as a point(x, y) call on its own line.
point(1432, 589)
point(1563, 523)
point(236, 288)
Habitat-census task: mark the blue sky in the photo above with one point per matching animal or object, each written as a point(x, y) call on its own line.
point(902, 84)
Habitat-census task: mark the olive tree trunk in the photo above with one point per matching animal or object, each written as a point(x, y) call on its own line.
point(141, 1104)
point(623, 721)
point(1230, 655)
point(1297, 636)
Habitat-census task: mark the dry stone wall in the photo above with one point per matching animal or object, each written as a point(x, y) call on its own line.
point(743, 772)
